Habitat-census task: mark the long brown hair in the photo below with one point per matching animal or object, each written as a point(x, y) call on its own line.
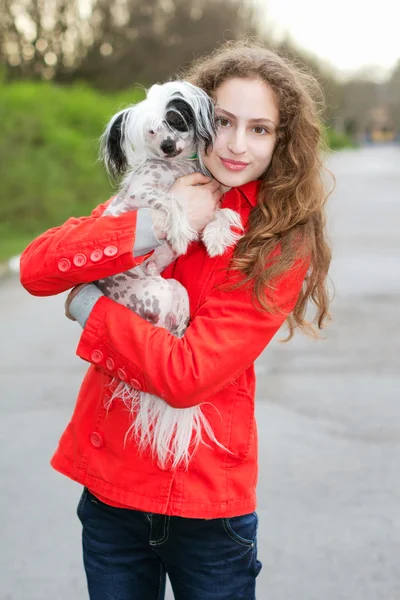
point(289, 220)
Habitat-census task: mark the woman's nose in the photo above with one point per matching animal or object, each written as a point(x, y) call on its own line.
point(238, 141)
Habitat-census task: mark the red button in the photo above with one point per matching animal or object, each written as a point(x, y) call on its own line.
point(79, 260)
point(121, 374)
point(64, 265)
point(96, 356)
point(96, 440)
point(110, 250)
point(96, 255)
point(135, 384)
point(110, 364)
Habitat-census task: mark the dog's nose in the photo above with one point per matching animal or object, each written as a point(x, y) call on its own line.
point(168, 146)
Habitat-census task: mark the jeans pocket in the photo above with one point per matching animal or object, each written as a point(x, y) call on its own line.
point(243, 529)
point(82, 502)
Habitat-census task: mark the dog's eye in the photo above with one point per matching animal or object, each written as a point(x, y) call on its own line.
point(151, 132)
point(176, 121)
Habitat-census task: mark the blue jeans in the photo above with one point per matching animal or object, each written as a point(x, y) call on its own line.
point(127, 554)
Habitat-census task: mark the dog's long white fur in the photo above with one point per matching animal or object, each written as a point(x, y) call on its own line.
point(173, 435)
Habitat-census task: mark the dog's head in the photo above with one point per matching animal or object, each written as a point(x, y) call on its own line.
point(175, 120)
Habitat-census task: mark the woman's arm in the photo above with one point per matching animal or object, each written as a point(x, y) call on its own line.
point(91, 248)
point(224, 338)
point(86, 249)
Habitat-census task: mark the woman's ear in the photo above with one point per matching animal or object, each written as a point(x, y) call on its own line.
point(112, 144)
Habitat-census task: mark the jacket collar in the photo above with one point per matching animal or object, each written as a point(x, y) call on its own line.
point(250, 191)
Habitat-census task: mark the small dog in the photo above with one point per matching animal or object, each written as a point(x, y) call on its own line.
point(151, 144)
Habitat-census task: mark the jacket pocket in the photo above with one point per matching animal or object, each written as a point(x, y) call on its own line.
point(241, 428)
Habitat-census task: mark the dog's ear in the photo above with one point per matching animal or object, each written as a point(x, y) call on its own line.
point(112, 144)
point(205, 126)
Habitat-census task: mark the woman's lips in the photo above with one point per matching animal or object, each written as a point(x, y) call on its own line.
point(233, 165)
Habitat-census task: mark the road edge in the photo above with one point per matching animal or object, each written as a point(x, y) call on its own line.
point(10, 266)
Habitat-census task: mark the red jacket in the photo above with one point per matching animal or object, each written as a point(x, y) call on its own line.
point(211, 364)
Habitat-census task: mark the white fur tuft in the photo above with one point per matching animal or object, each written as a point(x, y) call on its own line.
point(217, 236)
point(172, 435)
point(179, 232)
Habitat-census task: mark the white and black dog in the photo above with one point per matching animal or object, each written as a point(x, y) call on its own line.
point(156, 141)
point(150, 145)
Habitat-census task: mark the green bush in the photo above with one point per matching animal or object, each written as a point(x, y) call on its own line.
point(337, 141)
point(49, 142)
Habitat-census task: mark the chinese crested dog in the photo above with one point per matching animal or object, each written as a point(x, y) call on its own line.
point(150, 145)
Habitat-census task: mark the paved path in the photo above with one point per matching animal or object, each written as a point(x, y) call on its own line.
point(328, 415)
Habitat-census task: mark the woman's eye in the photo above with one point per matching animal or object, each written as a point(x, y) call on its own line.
point(260, 130)
point(222, 122)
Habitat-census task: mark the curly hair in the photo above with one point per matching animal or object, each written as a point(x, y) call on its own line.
point(288, 223)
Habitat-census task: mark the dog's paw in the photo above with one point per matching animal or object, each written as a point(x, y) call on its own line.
point(179, 232)
point(218, 234)
point(179, 244)
point(180, 237)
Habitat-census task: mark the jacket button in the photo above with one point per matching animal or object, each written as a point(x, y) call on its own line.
point(110, 364)
point(96, 440)
point(135, 384)
point(121, 374)
point(96, 356)
point(110, 250)
point(79, 260)
point(64, 265)
point(96, 255)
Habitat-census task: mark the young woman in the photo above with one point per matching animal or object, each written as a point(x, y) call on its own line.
point(140, 519)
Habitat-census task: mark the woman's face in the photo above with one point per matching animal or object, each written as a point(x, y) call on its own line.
point(247, 122)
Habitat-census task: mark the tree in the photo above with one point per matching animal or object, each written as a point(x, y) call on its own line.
point(151, 41)
point(116, 42)
point(41, 37)
point(392, 94)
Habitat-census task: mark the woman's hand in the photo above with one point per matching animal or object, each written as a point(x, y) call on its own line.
point(200, 197)
point(70, 297)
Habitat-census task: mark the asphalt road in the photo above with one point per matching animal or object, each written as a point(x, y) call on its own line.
point(328, 417)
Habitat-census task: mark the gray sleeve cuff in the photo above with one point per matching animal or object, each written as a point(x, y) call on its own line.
point(81, 306)
point(146, 240)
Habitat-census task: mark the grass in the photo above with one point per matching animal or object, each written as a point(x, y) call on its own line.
point(49, 143)
point(13, 244)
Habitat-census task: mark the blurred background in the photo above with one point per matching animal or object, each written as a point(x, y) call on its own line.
point(67, 65)
point(328, 410)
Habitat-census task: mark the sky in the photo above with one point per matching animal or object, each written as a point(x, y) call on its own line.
point(348, 34)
